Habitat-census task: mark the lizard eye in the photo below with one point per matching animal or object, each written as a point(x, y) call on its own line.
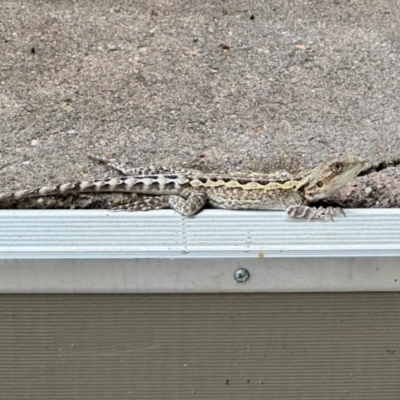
point(320, 184)
point(337, 166)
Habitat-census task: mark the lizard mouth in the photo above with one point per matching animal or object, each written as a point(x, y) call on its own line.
point(312, 197)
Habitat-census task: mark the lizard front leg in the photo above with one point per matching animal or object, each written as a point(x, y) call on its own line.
point(307, 212)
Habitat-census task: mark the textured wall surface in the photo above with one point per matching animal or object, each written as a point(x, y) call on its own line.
point(269, 346)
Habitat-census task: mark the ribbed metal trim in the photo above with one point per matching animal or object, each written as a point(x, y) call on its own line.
point(162, 252)
point(211, 234)
point(258, 346)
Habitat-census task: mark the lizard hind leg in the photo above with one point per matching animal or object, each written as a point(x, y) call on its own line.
point(144, 203)
point(186, 207)
point(112, 163)
point(189, 206)
point(141, 171)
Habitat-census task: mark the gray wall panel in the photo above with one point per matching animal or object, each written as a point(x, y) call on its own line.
point(200, 346)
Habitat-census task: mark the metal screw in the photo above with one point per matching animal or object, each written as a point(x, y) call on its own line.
point(241, 275)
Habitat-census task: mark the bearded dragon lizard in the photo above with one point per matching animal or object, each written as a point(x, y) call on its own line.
point(187, 191)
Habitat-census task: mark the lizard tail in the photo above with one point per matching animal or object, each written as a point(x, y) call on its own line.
point(108, 185)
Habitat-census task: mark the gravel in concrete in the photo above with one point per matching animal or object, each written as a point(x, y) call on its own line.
point(215, 85)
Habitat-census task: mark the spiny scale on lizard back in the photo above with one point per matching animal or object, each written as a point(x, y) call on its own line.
point(280, 176)
point(168, 183)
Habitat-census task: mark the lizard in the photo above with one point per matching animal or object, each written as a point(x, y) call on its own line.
point(187, 191)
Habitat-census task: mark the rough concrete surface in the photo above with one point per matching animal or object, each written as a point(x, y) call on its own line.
point(215, 85)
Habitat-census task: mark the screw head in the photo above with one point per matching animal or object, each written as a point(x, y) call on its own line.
point(241, 275)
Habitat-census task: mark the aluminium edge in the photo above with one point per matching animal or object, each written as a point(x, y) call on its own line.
point(98, 251)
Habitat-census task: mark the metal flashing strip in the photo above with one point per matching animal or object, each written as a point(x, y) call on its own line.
point(87, 251)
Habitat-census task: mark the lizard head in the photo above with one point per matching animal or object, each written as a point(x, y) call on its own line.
point(328, 177)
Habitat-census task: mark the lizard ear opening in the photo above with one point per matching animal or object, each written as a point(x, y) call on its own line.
point(320, 184)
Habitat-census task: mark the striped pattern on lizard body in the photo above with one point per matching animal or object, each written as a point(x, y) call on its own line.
point(188, 191)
